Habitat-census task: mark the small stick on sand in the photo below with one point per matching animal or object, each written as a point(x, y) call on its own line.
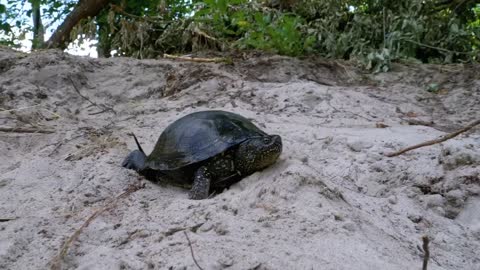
point(432, 142)
point(57, 260)
point(103, 107)
point(6, 219)
point(19, 109)
point(25, 130)
point(426, 254)
point(30, 107)
point(191, 251)
point(196, 59)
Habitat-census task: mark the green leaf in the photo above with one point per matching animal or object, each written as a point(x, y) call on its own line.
point(454, 28)
point(5, 27)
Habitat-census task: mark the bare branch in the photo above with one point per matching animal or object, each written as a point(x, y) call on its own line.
point(432, 142)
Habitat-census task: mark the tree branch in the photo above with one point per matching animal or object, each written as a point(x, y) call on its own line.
point(85, 8)
point(433, 47)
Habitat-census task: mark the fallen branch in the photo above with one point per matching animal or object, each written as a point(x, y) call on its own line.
point(19, 109)
point(6, 219)
point(426, 252)
point(55, 264)
point(196, 59)
point(29, 107)
point(433, 47)
point(191, 251)
point(432, 142)
point(103, 107)
point(60, 143)
point(26, 130)
point(102, 111)
point(57, 116)
point(179, 229)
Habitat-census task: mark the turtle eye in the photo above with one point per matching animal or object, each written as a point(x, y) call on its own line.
point(266, 140)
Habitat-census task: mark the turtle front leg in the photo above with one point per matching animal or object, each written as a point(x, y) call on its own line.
point(201, 184)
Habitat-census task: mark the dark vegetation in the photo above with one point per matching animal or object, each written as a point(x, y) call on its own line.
point(371, 32)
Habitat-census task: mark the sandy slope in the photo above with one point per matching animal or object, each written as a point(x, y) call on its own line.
point(333, 201)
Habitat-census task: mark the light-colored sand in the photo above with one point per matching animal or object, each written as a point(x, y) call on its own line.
point(332, 201)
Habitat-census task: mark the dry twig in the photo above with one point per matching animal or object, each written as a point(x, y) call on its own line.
point(6, 219)
point(30, 107)
point(19, 109)
point(196, 59)
point(433, 47)
point(26, 130)
point(191, 251)
point(432, 142)
point(55, 264)
point(103, 107)
point(426, 254)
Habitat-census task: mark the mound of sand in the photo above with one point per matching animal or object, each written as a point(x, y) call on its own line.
point(332, 201)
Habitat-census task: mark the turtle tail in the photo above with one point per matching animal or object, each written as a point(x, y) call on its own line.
point(138, 144)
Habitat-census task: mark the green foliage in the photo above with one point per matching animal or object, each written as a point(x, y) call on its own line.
point(146, 29)
point(371, 32)
point(246, 25)
point(278, 33)
point(4, 26)
point(377, 32)
point(16, 18)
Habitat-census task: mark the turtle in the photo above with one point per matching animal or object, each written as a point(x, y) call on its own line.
point(206, 151)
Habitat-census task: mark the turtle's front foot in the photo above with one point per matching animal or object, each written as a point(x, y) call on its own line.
point(201, 185)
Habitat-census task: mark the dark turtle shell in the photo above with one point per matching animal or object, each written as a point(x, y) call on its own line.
point(199, 136)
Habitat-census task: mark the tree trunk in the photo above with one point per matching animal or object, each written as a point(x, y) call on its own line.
point(104, 37)
point(38, 30)
point(84, 9)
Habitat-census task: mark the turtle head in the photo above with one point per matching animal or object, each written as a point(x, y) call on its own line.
point(135, 161)
point(258, 153)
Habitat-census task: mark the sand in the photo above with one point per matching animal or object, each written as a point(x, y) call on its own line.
point(332, 201)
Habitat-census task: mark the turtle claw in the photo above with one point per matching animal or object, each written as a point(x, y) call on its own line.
point(196, 196)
